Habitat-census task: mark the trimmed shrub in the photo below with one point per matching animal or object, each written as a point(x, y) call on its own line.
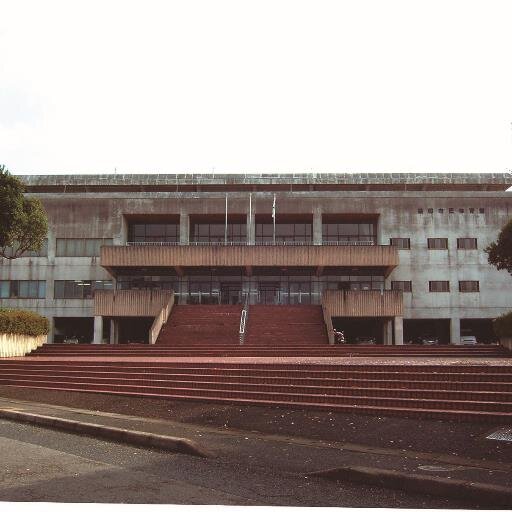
point(503, 325)
point(18, 321)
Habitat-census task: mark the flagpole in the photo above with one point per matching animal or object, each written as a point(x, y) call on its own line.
point(274, 219)
point(226, 224)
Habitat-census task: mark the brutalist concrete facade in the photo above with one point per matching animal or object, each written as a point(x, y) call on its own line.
point(411, 206)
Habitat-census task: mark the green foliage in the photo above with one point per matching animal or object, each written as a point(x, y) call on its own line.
point(23, 222)
point(503, 325)
point(18, 321)
point(499, 253)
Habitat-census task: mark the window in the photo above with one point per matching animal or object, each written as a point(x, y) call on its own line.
point(466, 243)
point(481, 210)
point(215, 233)
point(451, 210)
point(400, 243)
point(430, 210)
point(42, 253)
point(81, 246)
point(154, 233)
point(403, 286)
point(469, 286)
point(420, 210)
point(471, 210)
point(349, 233)
point(437, 243)
point(79, 289)
point(440, 210)
point(439, 286)
point(22, 289)
point(300, 232)
point(461, 210)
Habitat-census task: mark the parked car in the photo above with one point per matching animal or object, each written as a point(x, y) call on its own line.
point(429, 340)
point(468, 340)
point(365, 340)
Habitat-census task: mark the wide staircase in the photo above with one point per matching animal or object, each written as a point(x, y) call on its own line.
point(196, 326)
point(466, 392)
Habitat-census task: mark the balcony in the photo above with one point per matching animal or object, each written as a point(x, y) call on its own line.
point(285, 255)
point(386, 303)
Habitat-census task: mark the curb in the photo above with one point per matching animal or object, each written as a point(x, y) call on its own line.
point(486, 494)
point(120, 435)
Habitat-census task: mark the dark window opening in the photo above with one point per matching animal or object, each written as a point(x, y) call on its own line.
point(437, 243)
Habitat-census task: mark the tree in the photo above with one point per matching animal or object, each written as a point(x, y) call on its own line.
point(499, 253)
point(23, 222)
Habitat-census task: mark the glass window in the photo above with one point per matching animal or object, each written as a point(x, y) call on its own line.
point(4, 289)
point(403, 286)
point(469, 286)
point(400, 243)
point(27, 289)
point(437, 243)
point(439, 286)
point(80, 246)
point(466, 243)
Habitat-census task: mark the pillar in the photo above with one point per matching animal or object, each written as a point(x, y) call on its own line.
point(399, 330)
point(114, 332)
point(317, 226)
point(51, 329)
point(184, 228)
point(455, 331)
point(98, 329)
point(388, 332)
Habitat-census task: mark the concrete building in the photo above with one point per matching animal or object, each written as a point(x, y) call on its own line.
point(389, 256)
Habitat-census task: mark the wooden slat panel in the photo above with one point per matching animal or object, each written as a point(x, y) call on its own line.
point(249, 255)
point(130, 302)
point(389, 303)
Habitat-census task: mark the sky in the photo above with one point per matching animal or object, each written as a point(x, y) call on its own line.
point(255, 86)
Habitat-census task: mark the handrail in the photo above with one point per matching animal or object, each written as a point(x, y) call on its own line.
point(243, 319)
point(341, 243)
point(160, 319)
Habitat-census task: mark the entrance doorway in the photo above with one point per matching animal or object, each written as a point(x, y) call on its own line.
point(269, 292)
point(416, 330)
point(360, 331)
point(230, 293)
point(134, 329)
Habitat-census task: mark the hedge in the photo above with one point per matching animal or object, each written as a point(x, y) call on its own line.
point(503, 325)
point(18, 321)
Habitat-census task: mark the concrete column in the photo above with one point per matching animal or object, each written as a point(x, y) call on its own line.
point(114, 332)
point(51, 328)
point(184, 228)
point(455, 331)
point(317, 226)
point(98, 329)
point(388, 332)
point(399, 330)
point(51, 245)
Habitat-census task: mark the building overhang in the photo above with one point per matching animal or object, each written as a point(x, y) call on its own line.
point(120, 259)
point(386, 303)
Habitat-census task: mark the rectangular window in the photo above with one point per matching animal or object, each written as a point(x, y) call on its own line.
point(10, 251)
point(80, 246)
point(469, 286)
point(437, 243)
point(439, 286)
point(22, 289)
point(403, 286)
point(466, 243)
point(79, 289)
point(400, 243)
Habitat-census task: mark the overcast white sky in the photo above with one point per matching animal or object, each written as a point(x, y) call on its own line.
point(262, 86)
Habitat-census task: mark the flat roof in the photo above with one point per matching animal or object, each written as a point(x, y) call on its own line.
point(263, 182)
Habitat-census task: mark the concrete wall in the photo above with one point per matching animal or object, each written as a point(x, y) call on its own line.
point(101, 215)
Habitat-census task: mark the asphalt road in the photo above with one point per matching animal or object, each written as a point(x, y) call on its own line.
point(44, 465)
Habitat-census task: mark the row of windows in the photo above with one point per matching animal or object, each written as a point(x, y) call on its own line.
point(435, 243)
point(69, 247)
point(63, 289)
point(438, 286)
point(452, 210)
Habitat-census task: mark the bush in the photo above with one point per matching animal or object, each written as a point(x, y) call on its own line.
point(17, 321)
point(503, 325)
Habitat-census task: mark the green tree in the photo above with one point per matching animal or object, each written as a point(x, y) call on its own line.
point(23, 222)
point(499, 253)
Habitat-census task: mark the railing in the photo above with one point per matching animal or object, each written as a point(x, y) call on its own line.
point(243, 320)
point(277, 242)
point(160, 320)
